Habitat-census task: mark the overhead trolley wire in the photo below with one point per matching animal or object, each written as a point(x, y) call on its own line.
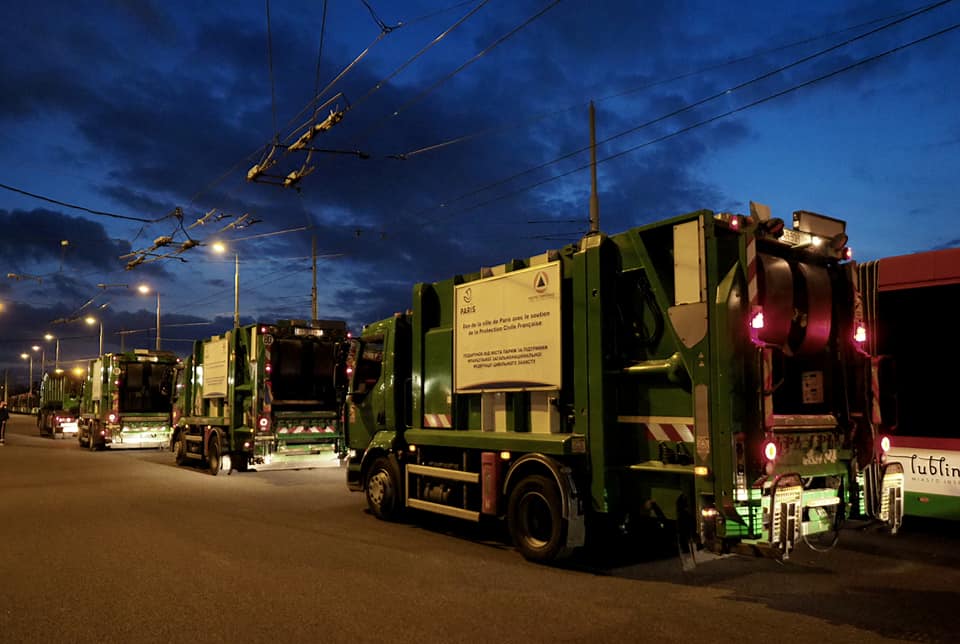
point(422, 95)
point(688, 107)
point(670, 135)
point(262, 149)
point(380, 23)
point(273, 93)
point(417, 55)
point(323, 30)
point(101, 213)
point(626, 92)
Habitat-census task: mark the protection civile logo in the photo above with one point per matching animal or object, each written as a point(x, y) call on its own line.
point(541, 282)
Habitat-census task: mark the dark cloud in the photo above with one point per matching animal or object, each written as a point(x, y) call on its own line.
point(36, 236)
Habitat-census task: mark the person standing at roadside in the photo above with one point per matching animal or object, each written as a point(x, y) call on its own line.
point(4, 417)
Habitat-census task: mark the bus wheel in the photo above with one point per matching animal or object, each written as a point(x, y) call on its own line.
point(179, 449)
point(383, 489)
point(213, 455)
point(535, 519)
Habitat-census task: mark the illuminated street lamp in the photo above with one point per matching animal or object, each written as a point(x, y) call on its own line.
point(143, 288)
point(91, 321)
point(29, 356)
point(56, 360)
point(220, 247)
point(43, 357)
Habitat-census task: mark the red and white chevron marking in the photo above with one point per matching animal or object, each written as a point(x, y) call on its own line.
point(752, 293)
point(436, 420)
point(674, 429)
point(303, 429)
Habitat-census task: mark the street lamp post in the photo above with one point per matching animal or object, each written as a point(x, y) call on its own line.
point(219, 247)
point(29, 356)
point(236, 290)
point(43, 358)
point(56, 360)
point(143, 288)
point(92, 320)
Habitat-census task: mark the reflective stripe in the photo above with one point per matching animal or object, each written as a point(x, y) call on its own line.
point(752, 295)
point(436, 420)
point(664, 428)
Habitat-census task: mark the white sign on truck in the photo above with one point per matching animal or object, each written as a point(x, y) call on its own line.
point(215, 368)
point(96, 379)
point(507, 331)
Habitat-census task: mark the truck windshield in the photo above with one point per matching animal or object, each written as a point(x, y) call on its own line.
point(146, 388)
point(303, 370)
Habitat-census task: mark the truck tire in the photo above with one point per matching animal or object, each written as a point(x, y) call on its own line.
point(535, 519)
point(179, 449)
point(382, 488)
point(213, 454)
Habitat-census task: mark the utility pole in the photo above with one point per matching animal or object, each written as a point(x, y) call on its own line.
point(594, 199)
point(236, 290)
point(313, 292)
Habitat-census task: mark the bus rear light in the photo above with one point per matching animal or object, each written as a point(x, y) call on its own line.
point(770, 450)
point(264, 424)
point(112, 418)
point(885, 444)
point(756, 322)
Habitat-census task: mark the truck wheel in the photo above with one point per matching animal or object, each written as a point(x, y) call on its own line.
point(383, 489)
point(535, 519)
point(213, 455)
point(179, 449)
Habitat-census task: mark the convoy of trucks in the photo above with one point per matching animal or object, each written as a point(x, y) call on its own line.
point(59, 408)
point(711, 373)
point(695, 372)
point(262, 396)
point(127, 400)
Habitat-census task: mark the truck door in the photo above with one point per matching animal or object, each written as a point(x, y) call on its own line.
point(365, 399)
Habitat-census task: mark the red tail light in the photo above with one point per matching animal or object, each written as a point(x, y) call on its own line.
point(264, 424)
point(112, 418)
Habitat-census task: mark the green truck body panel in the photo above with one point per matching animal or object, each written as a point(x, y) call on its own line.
point(59, 404)
point(262, 395)
point(635, 384)
point(127, 400)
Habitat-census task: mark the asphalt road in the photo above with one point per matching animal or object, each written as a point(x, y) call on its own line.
point(124, 546)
